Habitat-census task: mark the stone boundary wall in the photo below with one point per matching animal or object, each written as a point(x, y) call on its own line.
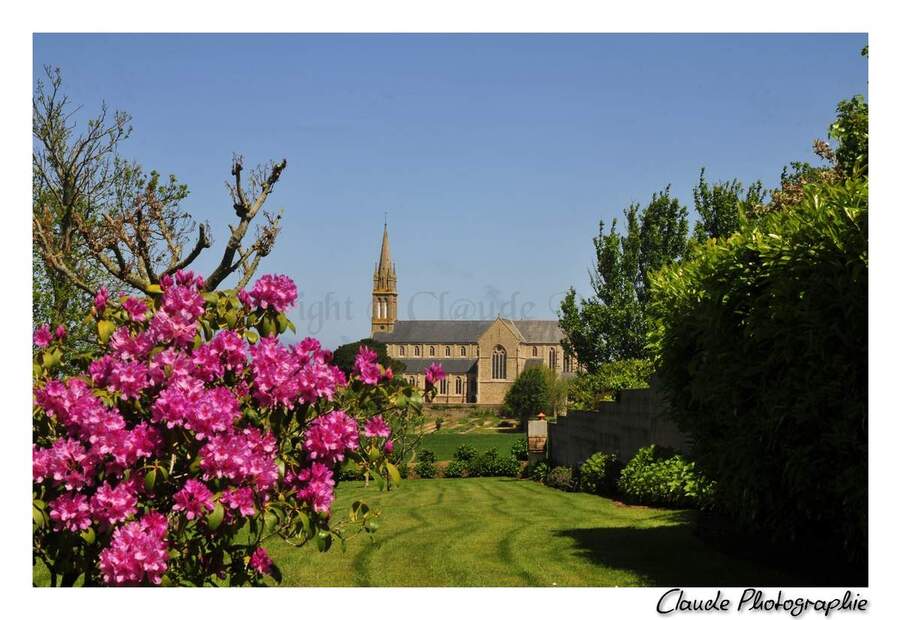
point(620, 427)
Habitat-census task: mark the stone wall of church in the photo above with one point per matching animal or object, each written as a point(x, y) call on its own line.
point(491, 390)
point(457, 350)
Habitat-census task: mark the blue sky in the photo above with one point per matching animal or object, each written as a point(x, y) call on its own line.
point(494, 156)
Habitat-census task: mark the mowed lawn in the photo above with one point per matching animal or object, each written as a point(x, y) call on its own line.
point(505, 532)
point(443, 443)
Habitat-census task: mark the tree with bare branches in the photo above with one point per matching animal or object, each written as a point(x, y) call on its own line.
point(101, 220)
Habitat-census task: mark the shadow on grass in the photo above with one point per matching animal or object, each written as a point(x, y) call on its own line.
point(672, 555)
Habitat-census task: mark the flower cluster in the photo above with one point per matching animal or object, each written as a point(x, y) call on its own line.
point(179, 429)
point(433, 374)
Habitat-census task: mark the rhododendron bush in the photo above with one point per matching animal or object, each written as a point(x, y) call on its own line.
point(196, 435)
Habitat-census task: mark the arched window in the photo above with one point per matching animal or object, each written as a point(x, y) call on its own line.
point(384, 308)
point(417, 351)
point(446, 351)
point(442, 387)
point(403, 350)
point(534, 351)
point(463, 351)
point(567, 363)
point(459, 385)
point(499, 363)
point(431, 351)
point(552, 358)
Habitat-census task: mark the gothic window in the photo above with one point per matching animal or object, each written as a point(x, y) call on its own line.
point(463, 351)
point(534, 351)
point(459, 385)
point(447, 352)
point(552, 358)
point(403, 350)
point(567, 363)
point(417, 351)
point(442, 387)
point(499, 363)
point(431, 351)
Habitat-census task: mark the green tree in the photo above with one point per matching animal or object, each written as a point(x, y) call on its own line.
point(345, 354)
point(720, 206)
point(529, 395)
point(610, 325)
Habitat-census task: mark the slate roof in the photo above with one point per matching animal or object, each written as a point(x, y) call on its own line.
point(419, 332)
point(533, 362)
point(455, 366)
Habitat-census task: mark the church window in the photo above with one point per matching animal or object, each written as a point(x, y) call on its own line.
point(442, 387)
point(459, 385)
point(567, 363)
point(431, 351)
point(534, 351)
point(463, 351)
point(447, 352)
point(403, 350)
point(417, 351)
point(552, 358)
point(499, 363)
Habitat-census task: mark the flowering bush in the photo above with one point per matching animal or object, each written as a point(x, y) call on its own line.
point(196, 435)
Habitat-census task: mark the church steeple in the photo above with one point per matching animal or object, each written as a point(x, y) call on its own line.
point(384, 289)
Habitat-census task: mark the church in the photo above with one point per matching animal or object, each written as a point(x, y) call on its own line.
point(482, 359)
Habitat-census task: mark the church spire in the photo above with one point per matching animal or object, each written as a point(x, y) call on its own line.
point(384, 288)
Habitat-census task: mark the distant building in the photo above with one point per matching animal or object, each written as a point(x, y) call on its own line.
point(481, 358)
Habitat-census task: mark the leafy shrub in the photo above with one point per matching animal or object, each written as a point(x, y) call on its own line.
point(490, 463)
point(439, 422)
point(561, 478)
point(537, 471)
point(599, 473)
point(762, 340)
point(588, 390)
point(425, 464)
point(520, 449)
point(658, 477)
point(151, 462)
point(350, 471)
point(456, 469)
point(465, 453)
point(529, 395)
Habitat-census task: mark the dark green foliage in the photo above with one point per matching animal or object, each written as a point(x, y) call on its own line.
point(465, 453)
point(562, 478)
point(610, 325)
point(456, 469)
point(345, 354)
point(520, 449)
point(721, 206)
point(851, 130)
point(529, 395)
point(657, 477)
point(762, 341)
point(587, 390)
point(490, 463)
point(600, 473)
point(537, 471)
point(349, 471)
point(425, 464)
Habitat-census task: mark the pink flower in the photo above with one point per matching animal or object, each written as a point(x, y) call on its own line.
point(70, 511)
point(112, 505)
point(240, 499)
point(329, 437)
point(137, 310)
point(316, 486)
point(42, 336)
point(194, 499)
point(137, 552)
point(389, 447)
point(100, 299)
point(389, 374)
point(366, 366)
point(376, 427)
point(277, 292)
point(127, 378)
point(434, 374)
point(247, 458)
point(60, 333)
point(260, 561)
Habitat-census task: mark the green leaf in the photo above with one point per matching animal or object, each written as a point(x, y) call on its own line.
point(154, 289)
point(305, 521)
point(393, 473)
point(150, 480)
point(251, 336)
point(105, 329)
point(268, 326)
point(37, 517)
point(89, 536)
point(52, 357)
point(214, 519)
point(282, 322)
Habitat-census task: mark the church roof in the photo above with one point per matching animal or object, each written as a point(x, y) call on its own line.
point(418, 332)
point(456, 366)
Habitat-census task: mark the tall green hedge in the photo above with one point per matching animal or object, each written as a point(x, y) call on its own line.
point(762, 347)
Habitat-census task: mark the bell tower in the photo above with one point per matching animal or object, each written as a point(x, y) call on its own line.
point(384, 290)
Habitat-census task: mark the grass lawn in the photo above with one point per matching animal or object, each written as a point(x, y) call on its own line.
point(504, 532)
point(443, 443)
